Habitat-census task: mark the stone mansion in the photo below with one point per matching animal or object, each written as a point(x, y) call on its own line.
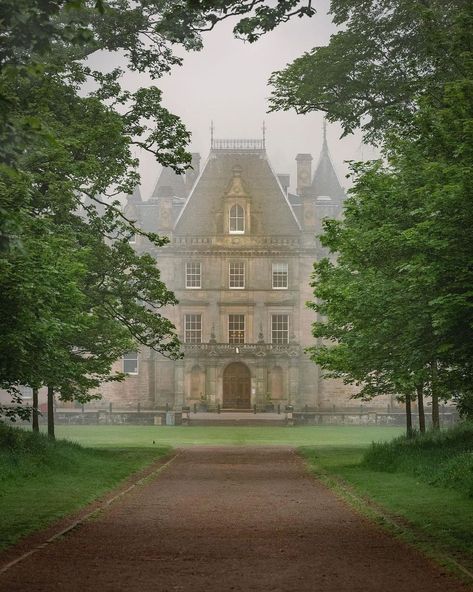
point(239, 260)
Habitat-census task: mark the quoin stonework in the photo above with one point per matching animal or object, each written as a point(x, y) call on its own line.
point(239, 260)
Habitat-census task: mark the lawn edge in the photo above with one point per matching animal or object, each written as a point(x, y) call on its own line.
point(400, 528)
point(38, 539)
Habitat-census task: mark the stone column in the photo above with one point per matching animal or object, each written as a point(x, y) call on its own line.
point(179, 384)
point(294, 380)
point(211, 382)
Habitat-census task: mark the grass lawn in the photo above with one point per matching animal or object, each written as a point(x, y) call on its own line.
point(442, 518)
point(41, 481)
point(45, 486)
point(138, 436)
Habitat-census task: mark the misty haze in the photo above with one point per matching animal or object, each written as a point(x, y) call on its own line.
point(236, 274)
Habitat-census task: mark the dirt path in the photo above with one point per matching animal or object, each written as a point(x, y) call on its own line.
point(228, 519)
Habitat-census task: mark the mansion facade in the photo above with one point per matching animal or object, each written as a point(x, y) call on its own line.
point(239, 260)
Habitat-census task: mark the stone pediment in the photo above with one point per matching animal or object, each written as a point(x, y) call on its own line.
point(236, 187)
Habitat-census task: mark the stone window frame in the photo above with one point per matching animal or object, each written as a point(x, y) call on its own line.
point(239, 217)
point(130, 357)
point(236, 274)
point(192, 327)
point(193, 274)
point(237, 333)
point(275, 339)
point(279, 275)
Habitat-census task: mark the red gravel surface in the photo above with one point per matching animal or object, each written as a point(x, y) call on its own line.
point(228, 519)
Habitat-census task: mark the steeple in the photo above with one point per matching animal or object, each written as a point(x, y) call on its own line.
point(325, 182)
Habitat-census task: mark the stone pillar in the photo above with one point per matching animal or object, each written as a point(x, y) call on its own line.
point(152, 370)
point(260, 384)
point(179, 384)
point(211, 382)
point(294, 381)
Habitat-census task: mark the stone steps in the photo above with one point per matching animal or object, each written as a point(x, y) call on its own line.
point(235, 418)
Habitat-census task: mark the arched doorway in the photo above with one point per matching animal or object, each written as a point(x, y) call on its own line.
point(236, 386)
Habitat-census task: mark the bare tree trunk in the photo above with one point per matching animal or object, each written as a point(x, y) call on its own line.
point(409, 431)
point(35, 410)
point(420, 407)
point(51, 413)
point(435, 398)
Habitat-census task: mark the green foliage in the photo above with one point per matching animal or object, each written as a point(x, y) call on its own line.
point(435, 518)
point(397, 301)
point(188, 18)
point(75, 296)
point(443, 459)
point(384, 58)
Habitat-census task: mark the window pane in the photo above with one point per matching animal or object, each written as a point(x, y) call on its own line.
point(237, 219)
point(193, 328)
point(193, 275)
point(280, 275)
point(236, 328)
point(280, 328)
point(130, 362)
point(236, 275)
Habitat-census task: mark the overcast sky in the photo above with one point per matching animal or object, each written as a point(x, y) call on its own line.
point(227, 82)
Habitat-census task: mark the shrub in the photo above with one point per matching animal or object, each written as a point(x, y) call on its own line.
point(442, 458)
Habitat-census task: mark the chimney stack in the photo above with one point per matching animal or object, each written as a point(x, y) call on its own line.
point(304, 172)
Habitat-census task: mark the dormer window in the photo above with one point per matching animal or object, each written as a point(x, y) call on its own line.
point(236, 219)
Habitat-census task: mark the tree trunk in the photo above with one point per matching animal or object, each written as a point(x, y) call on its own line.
point(420, 407)
point(409, 431)
point(435, 398)
point(35, 410)
point(51, 413)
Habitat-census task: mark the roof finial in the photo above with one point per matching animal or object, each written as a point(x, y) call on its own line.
point(324, 128)
point(264, 134)
point(211, 134)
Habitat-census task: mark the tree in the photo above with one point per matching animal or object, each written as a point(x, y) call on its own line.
point(397, 301)
point(75, 295)
point(385, 57)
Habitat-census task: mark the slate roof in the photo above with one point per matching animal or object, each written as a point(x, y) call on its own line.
point(169, 184)
point(325, 180)
point(268, 201)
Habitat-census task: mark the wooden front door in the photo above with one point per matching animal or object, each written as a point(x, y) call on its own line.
point(236, 387)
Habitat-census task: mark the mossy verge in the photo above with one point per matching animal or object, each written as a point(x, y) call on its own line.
point(436, 519)
point(440, 458)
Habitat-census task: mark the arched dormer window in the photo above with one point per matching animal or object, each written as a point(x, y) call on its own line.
point(236, 219)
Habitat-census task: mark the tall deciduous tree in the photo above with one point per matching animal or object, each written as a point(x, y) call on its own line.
point(386, 55)
point(75, 296)
point(397, 301)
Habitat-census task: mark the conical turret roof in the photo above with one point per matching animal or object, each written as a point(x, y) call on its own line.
point(325, 181)
point(169, 181)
